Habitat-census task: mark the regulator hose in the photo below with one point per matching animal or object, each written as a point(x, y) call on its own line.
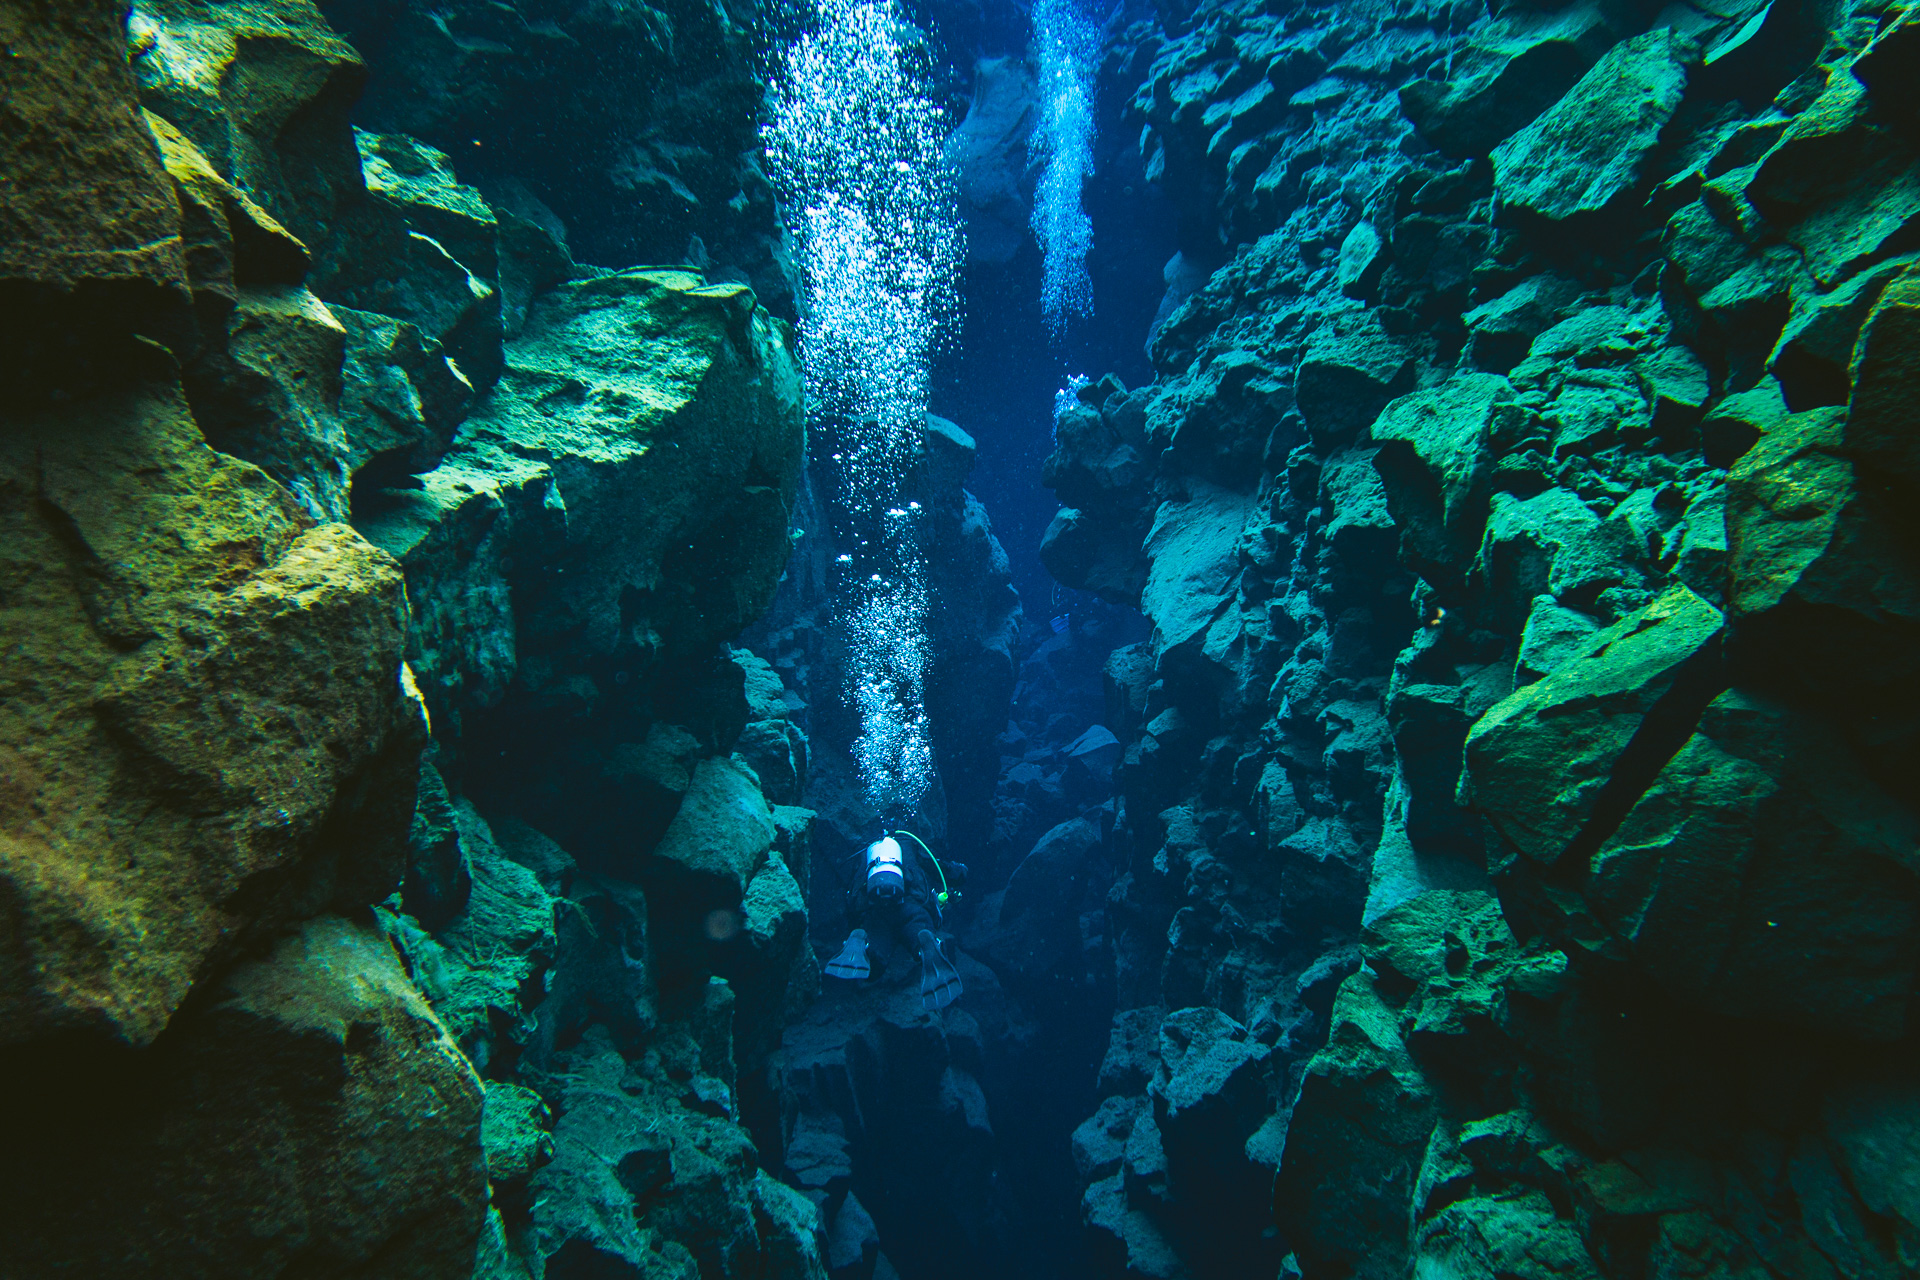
point(944, 893)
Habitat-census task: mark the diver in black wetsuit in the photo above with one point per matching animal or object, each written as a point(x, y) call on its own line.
point(894, 893)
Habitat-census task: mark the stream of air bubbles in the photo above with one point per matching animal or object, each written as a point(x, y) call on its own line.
point(855, 148)
point(1066, 48)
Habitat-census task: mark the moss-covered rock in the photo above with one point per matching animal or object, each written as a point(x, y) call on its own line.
point(1587, 149)
point(1544, 761)
point(421, 247)
point(311, 1115)
point(1436, 460)
point(639, 1180)
point(514, 1128)
point(1824, 580)
point(723, 830)
point(230, 241)
point(643, 447)
point(1841, 182)
point(484, 968)
point(1363, 1105)
point(263, 88)
point(1503, 77)
point(184, 644)
point(1763, 876)
point(1886, 377)
point(88, 199)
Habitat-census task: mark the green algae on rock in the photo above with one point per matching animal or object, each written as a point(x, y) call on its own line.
point(1762, 875)
point(222, 657)
point(1542, 762)
point(646, 438)
point(1436, 460)
point(263, 88)
point(1588, 148)
point(312, 1113)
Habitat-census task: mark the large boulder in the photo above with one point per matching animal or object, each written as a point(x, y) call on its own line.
point(676, 470)
point(1038, 936)
point(230, 240)
point(183, 644)
point(624, 489)
point(1841, 182)
point(1086, 553)
point(422, 247)
point(1193, 549)
point(263, 88)
point(1886, 377)
point(1823, 579)
point(1435, 459)
point(1208, 1097)
point(484, 969)
point(1763, 876)
point(1549, 544)
point(1099, 469)
point(1804, 530)
point(1560, 755)
point(88, 212)
point(1588, 148)
point(1349, 370)
point(723, 829)
point(641, 1184)
point(1344, 1194)
point(312, 1116)
point(1506, 74)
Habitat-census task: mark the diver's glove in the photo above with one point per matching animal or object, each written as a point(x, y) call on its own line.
point(939, 980)
point(852, 961)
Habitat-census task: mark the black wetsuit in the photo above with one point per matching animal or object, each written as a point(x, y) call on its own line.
point(909, 917)
point(899, 918)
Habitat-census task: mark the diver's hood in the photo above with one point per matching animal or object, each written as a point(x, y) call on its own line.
point(886, 868)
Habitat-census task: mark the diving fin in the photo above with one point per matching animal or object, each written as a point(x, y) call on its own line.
point(939, 980)
point(851, 963)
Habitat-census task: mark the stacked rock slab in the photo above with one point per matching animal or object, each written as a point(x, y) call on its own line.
point(1581, 332)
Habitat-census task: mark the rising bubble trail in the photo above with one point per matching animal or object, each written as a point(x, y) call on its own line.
point(854, 146)
point(1066, 48)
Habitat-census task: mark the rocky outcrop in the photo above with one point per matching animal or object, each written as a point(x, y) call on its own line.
point(1569, 330)
point(385, 893)
point(638, 125)
point(310, 1113)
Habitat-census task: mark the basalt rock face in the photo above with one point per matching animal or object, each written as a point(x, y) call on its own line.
point(402, 875)
point(1521, 860)
point(636, 123)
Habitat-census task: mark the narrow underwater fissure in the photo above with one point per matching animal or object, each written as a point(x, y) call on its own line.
point(1378, 534)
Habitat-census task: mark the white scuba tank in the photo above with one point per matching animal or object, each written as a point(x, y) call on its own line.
point(886, 868)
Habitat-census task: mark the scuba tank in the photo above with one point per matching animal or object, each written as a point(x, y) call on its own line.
point(886, 868)
point(887, 872)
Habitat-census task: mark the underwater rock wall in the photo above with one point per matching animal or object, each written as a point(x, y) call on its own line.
point(637, 123)
point(1518, 781)
point(401, 873)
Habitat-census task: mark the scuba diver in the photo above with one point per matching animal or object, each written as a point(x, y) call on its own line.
point(894, 893)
